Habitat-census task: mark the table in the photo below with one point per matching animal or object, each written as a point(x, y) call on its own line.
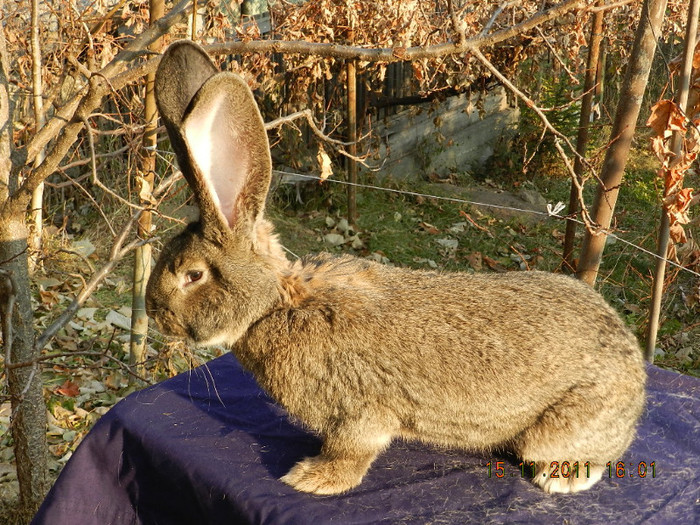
point(208, 447)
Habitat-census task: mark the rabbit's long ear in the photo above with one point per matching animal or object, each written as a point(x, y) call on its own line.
point(182, 71)
point(228, 145)
point(219, 137)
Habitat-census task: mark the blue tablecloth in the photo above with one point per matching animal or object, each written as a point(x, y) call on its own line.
point(208, 447)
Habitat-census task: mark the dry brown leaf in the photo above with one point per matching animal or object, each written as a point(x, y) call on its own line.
point(49, 298)
point(678, 204)
point(673, 179)
point(476, 261)
point(666, 117)
point(427, 227)
point(678, 236)
point(324, 163)
point(68, 389)
point(493, 264)
point(660, 148)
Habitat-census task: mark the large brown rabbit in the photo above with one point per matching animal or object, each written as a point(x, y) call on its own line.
point(362, 353)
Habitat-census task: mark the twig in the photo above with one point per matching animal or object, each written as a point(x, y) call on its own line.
point(307, 114)
point(79, 66)
point(559, 137)
point(82, 162)
point(457, 26)
point(117, 252)
point(167, 183)
point(475, 224)
point(522, 257)
point(527, 160)
point(95, 179)
point(2, 263)
point(572, 76)
point(104, 354)
point(90, 197)
point(622, 3)
point(585, 215)
point(494, 16)
point(76, 254)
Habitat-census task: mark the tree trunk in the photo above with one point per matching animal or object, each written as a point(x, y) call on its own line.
point(25, 388)
point(352, 133)
point(583, 126)
point(621, 136)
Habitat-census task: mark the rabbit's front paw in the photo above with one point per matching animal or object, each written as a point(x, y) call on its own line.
point(550, 480)
point(323, 475)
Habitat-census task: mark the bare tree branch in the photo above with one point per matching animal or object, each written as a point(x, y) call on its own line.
point(96, 180)
point(90, 96)
point(494, 16)
point(562, 63)
point(391, 54)
point(308, 116)
point(457, 25)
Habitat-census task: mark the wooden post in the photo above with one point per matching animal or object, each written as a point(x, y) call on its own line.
point(583, 126)
point(676, 144)
point(36, 207)
point(622, 132)
point(144, 184)
point(352, 138)
point(193, 35)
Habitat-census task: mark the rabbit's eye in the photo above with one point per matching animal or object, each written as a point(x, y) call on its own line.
point(193, 276)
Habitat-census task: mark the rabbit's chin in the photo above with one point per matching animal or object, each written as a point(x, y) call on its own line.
point(225, 338)
point(219, 340)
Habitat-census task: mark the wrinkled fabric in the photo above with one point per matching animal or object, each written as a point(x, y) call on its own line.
point(208, 447)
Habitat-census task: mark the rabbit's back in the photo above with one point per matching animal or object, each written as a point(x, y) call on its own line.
point(452, 358)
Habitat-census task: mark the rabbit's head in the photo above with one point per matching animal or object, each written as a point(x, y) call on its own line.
point(219, 275)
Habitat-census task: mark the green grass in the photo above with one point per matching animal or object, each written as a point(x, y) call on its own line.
point(407, 231)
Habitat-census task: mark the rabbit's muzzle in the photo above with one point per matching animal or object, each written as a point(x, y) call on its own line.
point(165, 320)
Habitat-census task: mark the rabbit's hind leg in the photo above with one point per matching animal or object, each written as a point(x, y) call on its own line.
point(562, 477)
point(341, 465)
point(573, 439)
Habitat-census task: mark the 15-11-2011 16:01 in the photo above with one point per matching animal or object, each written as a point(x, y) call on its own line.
point(566, 469)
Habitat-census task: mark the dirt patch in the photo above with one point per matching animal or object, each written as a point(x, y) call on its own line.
point(525, 205)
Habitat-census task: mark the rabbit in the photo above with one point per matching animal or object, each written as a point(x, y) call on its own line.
point(361, 353)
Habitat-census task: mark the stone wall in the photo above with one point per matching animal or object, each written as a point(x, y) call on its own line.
point(452, 137)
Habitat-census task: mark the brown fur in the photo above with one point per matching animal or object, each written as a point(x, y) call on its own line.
point(363, 353)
